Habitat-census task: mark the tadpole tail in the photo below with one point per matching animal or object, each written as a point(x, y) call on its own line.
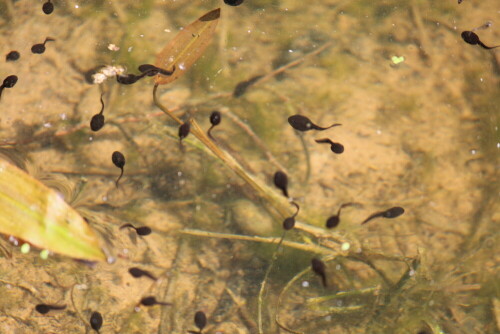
point(487, 47)
point(373, 216)
point(118, 179)
point(320, 128)
point(102, 103)
point(209, 134)
point(1, 90)
point(126, 225)
point(323, 280)
point(298, 209)
point(323, 141)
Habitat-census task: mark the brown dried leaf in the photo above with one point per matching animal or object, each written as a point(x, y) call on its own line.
point(189, 44)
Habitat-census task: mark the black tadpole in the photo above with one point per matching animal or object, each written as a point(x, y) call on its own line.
point(334, 220)
point(473, 39)
point(184, 130)
point(281, 182)
point(389, 213)
point(138, 273)
point(289, 222)
point(40, 48)
point(233, 2)
point(142, 231)
point(151, 70)
point(12, 56)
point(302, 123)
point(44, 308)
point(336, 148)
point(319, 268)
point(96, 321)
point(8, 82)
point(150, 301)
point(200, 320)
point(119, 161)
point(97, 121)
point(215, 119)
point(146, 70)
point(48, 7)
point(242, 87)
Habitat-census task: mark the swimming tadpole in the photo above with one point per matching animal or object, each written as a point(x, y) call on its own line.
point(289, 222)
point(334, 221)
point(142, 230)
point(45, 308)
point(319, 269)
point(336, 148)
point(389, 213)
point(40, 48)
point(13, 56)
point(303, 123)
point(97, 121)
point(281, 182)
point(473, 39)
point(138, 273)
point(8, 82)
point(96, 321)
point(200, 321)
point(118, 160)
point(215, 119)
point(233, 2)
point(48, 7)
point(151, 70)
point(151, 301)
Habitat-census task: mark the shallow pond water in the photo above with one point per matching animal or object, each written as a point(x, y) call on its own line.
point(419, 114)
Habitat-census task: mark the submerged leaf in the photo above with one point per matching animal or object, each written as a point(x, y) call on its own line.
point(31, 211)
point(189, 44)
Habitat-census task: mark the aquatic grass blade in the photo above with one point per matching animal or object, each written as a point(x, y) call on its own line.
point(189, 44)
point(37, 214)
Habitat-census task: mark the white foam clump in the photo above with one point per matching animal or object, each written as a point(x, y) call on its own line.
point(107, 72)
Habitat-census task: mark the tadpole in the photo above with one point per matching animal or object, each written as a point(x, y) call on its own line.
point(12, 56)
point(302, 123)
point(97, 121)
point(334, 220)
point(138, 273)
point(200, 321)
point(45, 308)
point(242, 86)
point(289, 222)
point(319, 268)
point(8, 82)
point(389, 213)
point(473, 39)
point(184, 130)
point(146, 69)
point(233, 2)
point(150, 301)
point(142, 231)
point(48, 7)
point(281, 182)
point(40, 48)
point(215, 119)
point(151, 70)
point(336, 148)
point(96, 321)
point(119, 161)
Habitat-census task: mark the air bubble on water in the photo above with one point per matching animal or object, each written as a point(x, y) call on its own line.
point(305, 284)
point(91, 138)
point(130, 49)
point(47, 125)
point(473, 151)
point(104, 198)
point(182, 66)
point(63, 116)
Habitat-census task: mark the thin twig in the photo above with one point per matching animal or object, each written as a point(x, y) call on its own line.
point(308, 248)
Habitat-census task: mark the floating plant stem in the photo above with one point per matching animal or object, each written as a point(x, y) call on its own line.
point(311, 248)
